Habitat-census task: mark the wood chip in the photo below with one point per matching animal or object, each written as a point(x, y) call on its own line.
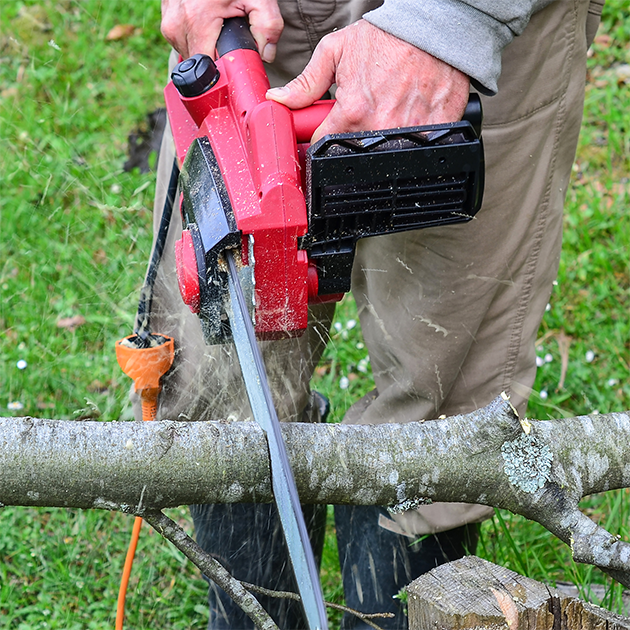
point(70, 323)
point(564, 341)
point(120, 31)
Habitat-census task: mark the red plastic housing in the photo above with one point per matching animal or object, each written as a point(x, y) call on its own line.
point(187, 274)
point(255, 143)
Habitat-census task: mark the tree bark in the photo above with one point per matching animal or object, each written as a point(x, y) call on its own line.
point(538, 469)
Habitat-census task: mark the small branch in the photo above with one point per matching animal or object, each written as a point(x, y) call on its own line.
point(211, 568)
point(237, 590)
point(556, 507)
point(589, 542)
point(367, 617)
point(592, 544)
point(261, 590)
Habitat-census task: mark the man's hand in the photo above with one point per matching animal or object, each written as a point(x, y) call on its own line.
point(382, 83)
point(193, 26)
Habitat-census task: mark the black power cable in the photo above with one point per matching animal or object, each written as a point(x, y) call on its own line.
point(142, 329)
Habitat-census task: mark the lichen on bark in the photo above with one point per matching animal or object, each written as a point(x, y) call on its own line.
point(527, 462)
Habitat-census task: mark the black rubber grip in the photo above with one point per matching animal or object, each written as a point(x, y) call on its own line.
point(474, 113)
point(235, 35)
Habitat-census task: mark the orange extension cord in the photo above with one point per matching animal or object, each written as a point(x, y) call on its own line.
point(124, 580)
point(145, 366)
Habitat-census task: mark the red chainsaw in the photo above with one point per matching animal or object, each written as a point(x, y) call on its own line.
point(292, 214)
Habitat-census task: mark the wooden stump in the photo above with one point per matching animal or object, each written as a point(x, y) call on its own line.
point(472, 593)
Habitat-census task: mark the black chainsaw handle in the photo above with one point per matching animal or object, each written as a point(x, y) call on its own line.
point(474, 113)
point(235, 35)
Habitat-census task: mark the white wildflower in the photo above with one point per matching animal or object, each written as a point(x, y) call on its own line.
point(362, 366)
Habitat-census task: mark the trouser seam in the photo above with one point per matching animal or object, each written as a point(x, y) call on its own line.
point(313, 37)
point(517, 330)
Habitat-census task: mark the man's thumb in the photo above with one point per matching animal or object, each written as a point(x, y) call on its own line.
point(312, 84)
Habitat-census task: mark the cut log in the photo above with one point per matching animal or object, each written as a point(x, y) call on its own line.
point(472, 593)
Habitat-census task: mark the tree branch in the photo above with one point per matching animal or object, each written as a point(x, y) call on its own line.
point(538, 469)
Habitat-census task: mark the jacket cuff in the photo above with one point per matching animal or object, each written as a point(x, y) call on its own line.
point(463, 36)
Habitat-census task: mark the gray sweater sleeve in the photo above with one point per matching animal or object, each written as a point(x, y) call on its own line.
point(468, 35)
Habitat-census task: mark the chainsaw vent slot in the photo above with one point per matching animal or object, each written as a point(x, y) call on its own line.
point(350, 211)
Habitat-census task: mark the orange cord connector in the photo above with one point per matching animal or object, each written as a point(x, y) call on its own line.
point(146, 366)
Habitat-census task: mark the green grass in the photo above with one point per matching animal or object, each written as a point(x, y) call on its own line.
point(76, 236)
point(61, 569)
point(75, 228)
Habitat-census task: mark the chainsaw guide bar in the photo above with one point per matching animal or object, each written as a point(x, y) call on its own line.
point(282, 481)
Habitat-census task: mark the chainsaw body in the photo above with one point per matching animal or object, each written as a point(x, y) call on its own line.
point(246, 177)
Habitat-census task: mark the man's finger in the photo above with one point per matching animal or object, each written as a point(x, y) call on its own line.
point(204, 41)
point(314, 81)
point(266, 25)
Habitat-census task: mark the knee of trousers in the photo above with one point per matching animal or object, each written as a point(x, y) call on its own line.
point(450, 314)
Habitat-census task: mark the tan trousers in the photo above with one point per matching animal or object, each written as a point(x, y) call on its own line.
point(449, 314)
